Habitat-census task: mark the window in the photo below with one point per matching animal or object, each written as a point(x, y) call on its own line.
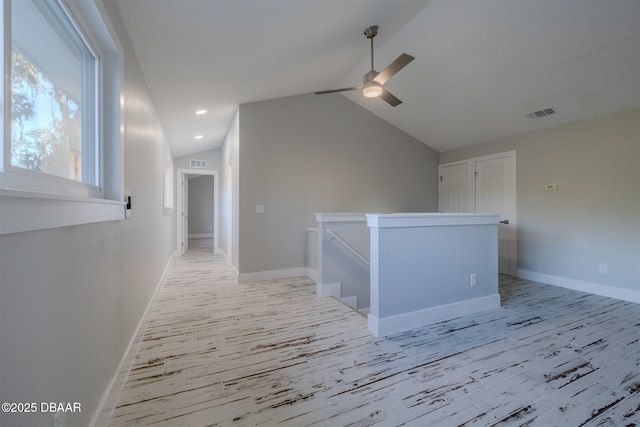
point(61, 122)
point(53, 94)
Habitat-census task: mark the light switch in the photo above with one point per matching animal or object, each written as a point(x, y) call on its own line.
point(551, 187)
point(259, 208)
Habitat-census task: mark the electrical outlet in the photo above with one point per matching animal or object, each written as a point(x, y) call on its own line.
point(474, 279)
point(603, 268)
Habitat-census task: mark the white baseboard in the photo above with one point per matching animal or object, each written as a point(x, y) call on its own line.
point(579, 285)
point(329, 290)
point(201, 236)
point(109, 399)
point(415, 319)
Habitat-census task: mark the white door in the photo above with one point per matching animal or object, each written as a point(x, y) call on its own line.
point(485, 184)
point(496, 193)
point(454, 188)
point(185, 214)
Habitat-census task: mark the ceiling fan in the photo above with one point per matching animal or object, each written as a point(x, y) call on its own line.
point(373, 80)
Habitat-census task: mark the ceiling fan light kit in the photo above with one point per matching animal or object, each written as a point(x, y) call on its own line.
point(373, 80)
point(371, 89)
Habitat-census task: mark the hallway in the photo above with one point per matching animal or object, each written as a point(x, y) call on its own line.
point(216, 353)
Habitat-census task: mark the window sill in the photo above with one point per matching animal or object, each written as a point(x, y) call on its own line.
point(29, 211)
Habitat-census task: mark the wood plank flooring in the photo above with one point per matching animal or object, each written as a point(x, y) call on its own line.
point(217, 353)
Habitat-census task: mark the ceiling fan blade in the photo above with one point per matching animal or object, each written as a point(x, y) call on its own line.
point(390, 98)
point(397, 65)
point(339, 90)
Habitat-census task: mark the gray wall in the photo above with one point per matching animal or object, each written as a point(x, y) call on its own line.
point(594, 217)
point(201, 205)
point(306, 154)
point(71, 298)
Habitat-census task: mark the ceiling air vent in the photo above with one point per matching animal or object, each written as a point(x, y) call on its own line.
point(199, 164)
point(542, 113)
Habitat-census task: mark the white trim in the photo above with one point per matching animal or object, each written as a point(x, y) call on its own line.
point(285, 273)
point(501, 155)
point(579, 285)
point(107, 404)
point(29, 210)
point(328, 290)
point(180, 172)
point(415, 319)
point(430, 219)
point(340, 217)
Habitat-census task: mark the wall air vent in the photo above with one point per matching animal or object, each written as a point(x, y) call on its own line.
point(542, 113)
point(198, 164)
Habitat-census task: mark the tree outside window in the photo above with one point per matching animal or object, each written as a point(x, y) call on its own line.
point(46, 123)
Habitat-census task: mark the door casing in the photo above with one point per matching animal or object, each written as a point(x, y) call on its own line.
point(180, 175)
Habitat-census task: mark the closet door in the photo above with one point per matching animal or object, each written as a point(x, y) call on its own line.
point(454, 188)
point(485, 185)
point(495, 192)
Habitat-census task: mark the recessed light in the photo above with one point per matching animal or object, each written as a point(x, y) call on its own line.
point(199, 137)
point(201, 112)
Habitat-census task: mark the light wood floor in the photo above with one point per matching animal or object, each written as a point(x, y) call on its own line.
point(217, 353)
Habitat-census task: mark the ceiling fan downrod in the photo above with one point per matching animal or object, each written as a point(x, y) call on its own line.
point(370, 33)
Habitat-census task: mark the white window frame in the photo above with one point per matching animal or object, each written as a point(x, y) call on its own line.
point(33, 201)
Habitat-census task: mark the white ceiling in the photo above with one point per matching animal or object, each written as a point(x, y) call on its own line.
point(480, 67)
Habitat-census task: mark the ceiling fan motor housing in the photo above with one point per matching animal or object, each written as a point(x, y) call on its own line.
point(369, 76)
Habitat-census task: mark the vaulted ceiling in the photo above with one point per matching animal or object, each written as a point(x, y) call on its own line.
point(480, 67)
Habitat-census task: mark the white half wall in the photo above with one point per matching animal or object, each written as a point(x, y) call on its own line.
point(427, 268)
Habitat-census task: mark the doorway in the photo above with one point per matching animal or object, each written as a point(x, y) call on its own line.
point(182, 216)
point(485, 184)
